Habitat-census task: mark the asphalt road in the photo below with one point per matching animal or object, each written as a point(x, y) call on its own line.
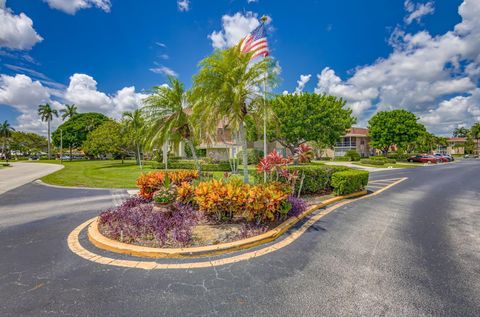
point(413, 250)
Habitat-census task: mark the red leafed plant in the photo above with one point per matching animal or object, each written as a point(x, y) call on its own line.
point(304, 153)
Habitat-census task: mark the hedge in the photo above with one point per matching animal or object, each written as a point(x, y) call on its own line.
point(254, 156)
point(347, 182)
point(383, 158)
point(190, 165)
point(352, 155)
point(317, 177)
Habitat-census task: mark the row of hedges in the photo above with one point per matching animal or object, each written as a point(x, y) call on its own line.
point(254, 156)
point(190, 165)
point(347, 182)
point(317, 178)
point(378, 160)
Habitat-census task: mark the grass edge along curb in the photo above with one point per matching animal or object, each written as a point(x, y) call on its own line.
point(104, 243)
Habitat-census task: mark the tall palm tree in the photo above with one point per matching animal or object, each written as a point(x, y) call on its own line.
point(167, 117)
point(68, 112)
point(6, 132)
point(227, 88)
point(134, 123)
point(46, 113)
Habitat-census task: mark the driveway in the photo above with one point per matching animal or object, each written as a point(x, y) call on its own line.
point(412, 250)
point(22, 173)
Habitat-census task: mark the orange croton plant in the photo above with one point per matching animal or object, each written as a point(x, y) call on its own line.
point(153, 181)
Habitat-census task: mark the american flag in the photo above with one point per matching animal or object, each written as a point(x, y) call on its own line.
point(256, 42)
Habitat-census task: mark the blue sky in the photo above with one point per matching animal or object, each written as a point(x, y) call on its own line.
point(372, 52)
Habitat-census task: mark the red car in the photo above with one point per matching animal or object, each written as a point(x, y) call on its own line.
point(423, 159)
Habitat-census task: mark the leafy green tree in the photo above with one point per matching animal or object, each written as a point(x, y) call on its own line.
point(168, 120)
point(5, 132)
point(469, 146)
point(46, 113)
point(395, 127)
point(74, 131)
point(461, 132)
point(475, 133)
point(68, 112)
point(108, 138)
point(28, 143)
point(226, 89)
point(308, 117)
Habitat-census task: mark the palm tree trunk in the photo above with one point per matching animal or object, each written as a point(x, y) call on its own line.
point(194, 155)
point(4, 149)
point(139, 160)
point(70, 148)
point(243, 139)
point(49, 154)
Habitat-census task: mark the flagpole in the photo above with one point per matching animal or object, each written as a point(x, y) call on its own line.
point(264, 19)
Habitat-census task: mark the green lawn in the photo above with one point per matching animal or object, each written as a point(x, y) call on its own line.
point(397, 165)
point(102, 174)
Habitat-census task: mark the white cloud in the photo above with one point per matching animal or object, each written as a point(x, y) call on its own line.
point(252, 1)
point(16, 31)
point(24, 94)
point(183, 5)
point(417, 10)
point(234, 28)
point(304, 79)
point(164, 70)
point(429, 75)
point(72, 6)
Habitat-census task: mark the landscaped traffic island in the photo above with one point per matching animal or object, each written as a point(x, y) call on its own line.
point(183, 210)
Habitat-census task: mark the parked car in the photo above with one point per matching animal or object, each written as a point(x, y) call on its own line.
point(442, 158)
point(470, 156)
point(423, 159)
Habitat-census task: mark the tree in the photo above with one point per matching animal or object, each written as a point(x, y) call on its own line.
point(108, 138)
point(5, 132)
point(308, 117)
point(168, 120)
point(28, 143)
point(75, 130)
point(134, 124)
point(395, 127)
point(475, 132)
point(68, 112)
point(226, 89)
point(461, 132)
point(46, 113)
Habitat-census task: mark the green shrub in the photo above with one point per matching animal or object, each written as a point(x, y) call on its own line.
point(326, 158)
point(352, 155)
point(317, 177)
point(254, 156)
point(347, 182)
point(200, 152)
point(380, 159)
point(372, 162)
point(342, 158)
point(223, 166)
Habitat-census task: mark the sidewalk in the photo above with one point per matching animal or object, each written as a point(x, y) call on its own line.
point(22, 173)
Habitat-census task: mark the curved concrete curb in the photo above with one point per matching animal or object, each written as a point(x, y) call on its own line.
point(102, 242)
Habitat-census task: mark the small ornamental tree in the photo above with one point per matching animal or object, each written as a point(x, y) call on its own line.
point(109, 138)
point(305, 117)
point(396, 127)
point(475, 133)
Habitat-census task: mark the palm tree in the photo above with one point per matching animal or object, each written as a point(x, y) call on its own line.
point(69, 111)
point(46, 113)
point(6, 132)
point(134, 123)
point(167, 117)
point(227, 87)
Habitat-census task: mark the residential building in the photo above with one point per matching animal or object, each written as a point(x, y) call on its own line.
point(355, 139)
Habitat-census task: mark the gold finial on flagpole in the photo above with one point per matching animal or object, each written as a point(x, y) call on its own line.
point(264, 19)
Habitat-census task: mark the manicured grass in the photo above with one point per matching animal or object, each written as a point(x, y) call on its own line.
point(102, 174)
point(397, 165)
